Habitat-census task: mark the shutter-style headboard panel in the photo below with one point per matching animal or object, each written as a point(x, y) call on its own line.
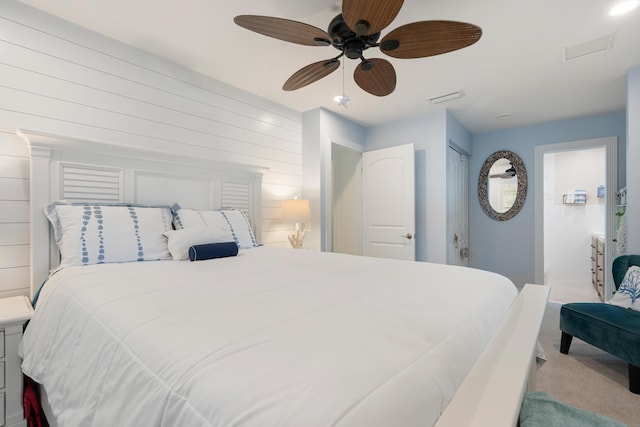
point(91, 183)
point(66, 168)
point(236, 195)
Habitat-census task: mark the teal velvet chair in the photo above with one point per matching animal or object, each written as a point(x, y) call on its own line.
point(611, 328)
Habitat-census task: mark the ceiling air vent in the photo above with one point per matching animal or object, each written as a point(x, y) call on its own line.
point(590, 47)
point(446, 97)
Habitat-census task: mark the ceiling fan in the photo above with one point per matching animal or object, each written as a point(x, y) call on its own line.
point(509, 173)
point(357, 29)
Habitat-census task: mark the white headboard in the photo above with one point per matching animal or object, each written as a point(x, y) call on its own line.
point(68, 168)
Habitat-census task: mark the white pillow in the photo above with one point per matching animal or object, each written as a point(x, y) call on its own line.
point(234, 220)
point(96, 234)
point(179, 241)
point(628, 293)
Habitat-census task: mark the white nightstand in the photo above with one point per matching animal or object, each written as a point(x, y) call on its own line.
point(14, 312)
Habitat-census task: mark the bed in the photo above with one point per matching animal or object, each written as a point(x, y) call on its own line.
point(270, 336)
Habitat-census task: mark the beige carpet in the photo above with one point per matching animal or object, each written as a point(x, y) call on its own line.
point(563, 291)
point(587, 377)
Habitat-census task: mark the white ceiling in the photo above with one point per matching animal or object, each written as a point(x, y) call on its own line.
point(517, 68)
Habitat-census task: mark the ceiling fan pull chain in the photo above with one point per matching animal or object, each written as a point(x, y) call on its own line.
point(343, 94)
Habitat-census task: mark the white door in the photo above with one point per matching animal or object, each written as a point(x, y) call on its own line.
point(388, 203)
point(458, 209)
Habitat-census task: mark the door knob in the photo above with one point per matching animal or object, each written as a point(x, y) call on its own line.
point(407, 236)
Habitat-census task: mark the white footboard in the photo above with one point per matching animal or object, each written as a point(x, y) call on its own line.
point(492, 392)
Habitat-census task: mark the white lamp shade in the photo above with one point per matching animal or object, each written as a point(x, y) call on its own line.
point(296, 210)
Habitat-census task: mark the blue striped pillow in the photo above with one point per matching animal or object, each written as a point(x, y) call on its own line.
point(96, 234)
point(233, 219)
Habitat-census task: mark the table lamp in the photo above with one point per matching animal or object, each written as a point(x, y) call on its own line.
point(297, 211)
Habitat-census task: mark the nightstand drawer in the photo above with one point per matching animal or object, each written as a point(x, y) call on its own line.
point(2, 409)
point(14, 312)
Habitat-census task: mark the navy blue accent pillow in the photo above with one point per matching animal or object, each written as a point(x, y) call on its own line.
point(213, 250)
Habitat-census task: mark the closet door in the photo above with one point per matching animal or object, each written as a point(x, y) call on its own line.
point(458, 208)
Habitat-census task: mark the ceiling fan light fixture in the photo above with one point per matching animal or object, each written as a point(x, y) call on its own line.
point(446, 97)
point(353, 49)
point(624, 7)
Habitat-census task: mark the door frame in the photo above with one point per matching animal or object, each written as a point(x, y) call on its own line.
point(326, 192)
point(339, 153)
point(463, 153)
point(611, 149)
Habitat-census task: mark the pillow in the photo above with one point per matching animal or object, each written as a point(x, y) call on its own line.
point(96, 234)
point(179, 241)
point(628, 293)
point(234, 220)
point(213, 250)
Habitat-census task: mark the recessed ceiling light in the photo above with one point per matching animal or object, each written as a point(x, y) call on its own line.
point(624, 7)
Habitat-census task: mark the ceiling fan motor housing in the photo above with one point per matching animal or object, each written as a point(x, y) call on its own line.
point(353, 49)
point(349, 42)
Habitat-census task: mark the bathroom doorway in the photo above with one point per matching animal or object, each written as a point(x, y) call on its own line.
point(576, 215)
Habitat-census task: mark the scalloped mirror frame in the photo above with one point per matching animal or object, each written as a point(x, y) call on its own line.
point(483, 185)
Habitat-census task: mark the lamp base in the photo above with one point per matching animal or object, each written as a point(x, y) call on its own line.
point(296, 237)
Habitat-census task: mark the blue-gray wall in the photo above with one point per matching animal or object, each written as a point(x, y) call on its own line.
point(507, 247)
point(320, 129)
point(504, 247)
point(458, 135)
point(429, 135)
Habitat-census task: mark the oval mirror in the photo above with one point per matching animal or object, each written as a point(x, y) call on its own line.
point(502, 185)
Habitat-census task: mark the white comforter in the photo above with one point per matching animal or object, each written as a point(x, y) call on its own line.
point(272, 337)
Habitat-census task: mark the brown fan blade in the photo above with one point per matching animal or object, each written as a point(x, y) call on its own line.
point(376, 76)
point(366, 17)
point(311, 73)
point(284, 29)
point(428, 38)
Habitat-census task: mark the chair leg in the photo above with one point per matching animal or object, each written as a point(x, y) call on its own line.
point(565, 342)
point(634, 379)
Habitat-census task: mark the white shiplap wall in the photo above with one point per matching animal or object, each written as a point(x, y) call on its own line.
point(58, 78)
